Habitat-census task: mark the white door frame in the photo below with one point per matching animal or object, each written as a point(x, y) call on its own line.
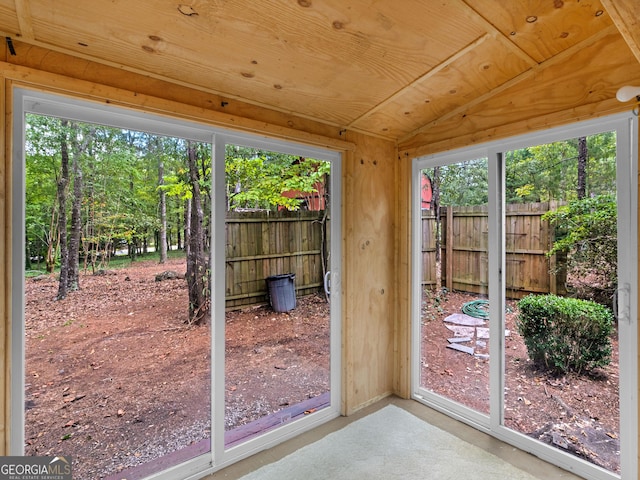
point(40, 102)
point(626, 126)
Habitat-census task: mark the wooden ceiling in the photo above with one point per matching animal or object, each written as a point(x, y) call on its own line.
point(397, 69)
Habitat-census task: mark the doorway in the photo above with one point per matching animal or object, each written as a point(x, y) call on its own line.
point(204, 147)
point(507, 225)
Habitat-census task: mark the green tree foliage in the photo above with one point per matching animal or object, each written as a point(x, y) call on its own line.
point(258, 180)
point(587, 231)
point(534, 174)
point(119, 199)
point(459, 184)
point(42, 169)
point(550, 171)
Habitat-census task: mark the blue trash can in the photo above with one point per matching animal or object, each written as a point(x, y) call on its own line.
point(282, 292)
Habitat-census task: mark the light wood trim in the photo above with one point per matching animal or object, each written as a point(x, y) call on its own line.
point(23, 11)
point(624, 14)
point(572, 115)
point(560, 58)
point(403, 290)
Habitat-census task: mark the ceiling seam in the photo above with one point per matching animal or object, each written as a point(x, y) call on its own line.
point(515, 48)
point(616, 13)
point(430, 73)
point(562, 56)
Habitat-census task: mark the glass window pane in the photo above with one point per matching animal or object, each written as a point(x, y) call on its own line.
point(277, 330)
point(454, 325)
point(561, 378)
point(117, 372)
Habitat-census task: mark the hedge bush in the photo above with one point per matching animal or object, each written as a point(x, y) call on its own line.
point(565, 334)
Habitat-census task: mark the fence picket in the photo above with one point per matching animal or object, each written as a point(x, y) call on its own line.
point(262, 244)
point(464, 250)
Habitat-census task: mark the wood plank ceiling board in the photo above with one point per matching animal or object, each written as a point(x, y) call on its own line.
point(544, 28)
point(331, 60)
point(624, 14)
point(478, 71)
point(558, 87)
point(390, 69)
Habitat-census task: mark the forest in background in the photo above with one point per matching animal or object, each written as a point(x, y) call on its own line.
point(93, 191)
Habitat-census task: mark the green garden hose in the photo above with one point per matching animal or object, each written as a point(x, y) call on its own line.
point(476, 308)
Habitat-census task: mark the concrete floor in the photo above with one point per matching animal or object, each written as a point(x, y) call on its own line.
point(518, 458)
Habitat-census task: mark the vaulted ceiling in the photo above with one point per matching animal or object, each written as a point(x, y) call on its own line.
point(391, 68)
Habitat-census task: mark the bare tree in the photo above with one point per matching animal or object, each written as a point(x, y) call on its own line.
point(70, 244)
point(582, 167)
point(62, 190)
point(163, 211)
point(75, 235)
point(197, 262)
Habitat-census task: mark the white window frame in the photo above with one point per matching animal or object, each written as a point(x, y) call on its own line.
point(626, 127)
point(40, 102)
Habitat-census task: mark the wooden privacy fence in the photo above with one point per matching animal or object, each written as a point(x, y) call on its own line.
point(263, 244)
point(464, 250)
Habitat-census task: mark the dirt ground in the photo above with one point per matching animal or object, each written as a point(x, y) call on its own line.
point(115, 378)
point(577, 413)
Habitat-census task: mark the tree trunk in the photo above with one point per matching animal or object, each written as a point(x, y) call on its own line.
point(73, 271)
point(178, 230)
point(582, 167)
point(187, 227)
point(435, 207)
point(63, 185)
point(163, 213)
point(75, 235)
point(197, 265)
point(53, 240)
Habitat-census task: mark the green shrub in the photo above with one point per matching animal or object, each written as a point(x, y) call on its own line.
point(565, 334)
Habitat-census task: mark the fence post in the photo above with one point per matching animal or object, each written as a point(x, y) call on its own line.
point(449, 247)
point(553, 278)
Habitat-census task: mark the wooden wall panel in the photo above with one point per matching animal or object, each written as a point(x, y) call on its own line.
point(368, 272)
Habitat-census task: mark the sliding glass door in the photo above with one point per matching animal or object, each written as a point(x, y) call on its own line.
point(557, 230)
point(197, 324)
point(278, 311)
